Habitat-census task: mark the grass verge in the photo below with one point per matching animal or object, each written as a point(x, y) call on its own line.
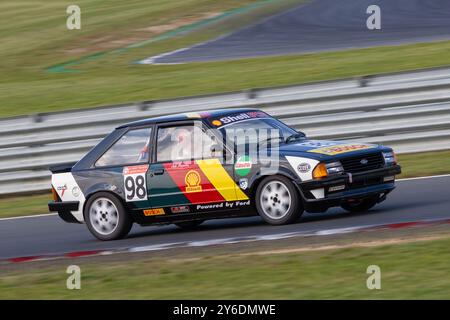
point(409, 270)
point(413, 165)
point(39, 40)
point(24, 206)
point(424, 164)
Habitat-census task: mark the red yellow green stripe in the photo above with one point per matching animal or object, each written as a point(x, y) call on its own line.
point(202, 191)
point(221, 180)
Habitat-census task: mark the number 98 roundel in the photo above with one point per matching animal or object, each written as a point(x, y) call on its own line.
point(135, 184)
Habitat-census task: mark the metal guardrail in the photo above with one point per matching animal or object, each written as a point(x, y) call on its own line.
point(409, 111)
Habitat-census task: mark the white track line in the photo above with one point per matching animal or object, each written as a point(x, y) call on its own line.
point(26, 217)
point(53, 214)
point(427, 177)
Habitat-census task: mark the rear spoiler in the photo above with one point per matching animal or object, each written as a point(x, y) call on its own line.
point(61, 168)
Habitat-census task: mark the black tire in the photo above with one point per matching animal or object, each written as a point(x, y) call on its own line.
point(360, 205)
point(287, 204)
point(118, 230)
point(189, 225)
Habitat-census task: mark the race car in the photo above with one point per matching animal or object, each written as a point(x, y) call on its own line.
point(187, 168)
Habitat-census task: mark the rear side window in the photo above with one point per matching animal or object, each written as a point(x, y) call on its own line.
point(133, 147)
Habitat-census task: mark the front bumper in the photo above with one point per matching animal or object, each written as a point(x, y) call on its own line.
point(65, 209)
point(339, 188)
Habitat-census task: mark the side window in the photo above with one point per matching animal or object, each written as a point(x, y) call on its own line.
point(132, 147)
point(183, 143)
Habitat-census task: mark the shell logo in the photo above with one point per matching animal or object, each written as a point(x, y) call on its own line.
point(217, 123)
point(192, 180)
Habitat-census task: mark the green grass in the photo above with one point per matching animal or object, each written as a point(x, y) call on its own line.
point(424, 164)
point(34, 38)
point(408, 271)
point(24, 206)
point(413, 165)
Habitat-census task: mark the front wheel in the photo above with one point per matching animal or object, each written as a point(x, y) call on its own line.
point(106, 217)
point(277, 201)
point(360, 205)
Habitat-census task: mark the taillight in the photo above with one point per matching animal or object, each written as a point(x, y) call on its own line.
point(55, 195)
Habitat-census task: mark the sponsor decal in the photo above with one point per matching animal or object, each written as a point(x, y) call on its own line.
point(239, 117)
point(336, 188)
point(180, 165)
point(317, 143)
point(210, 206)
point(135, 169)
point(64, 184)
point(222, 205)
point(135, 184)
point(243, 166)
point(180, 209)
point(62, 189)
point(257, 114)
point(111, 187)
point(235, 118)
point(193, 115)
point(193, 180)
point(197, 115)
point(205, 114)
point(341, 148)
point(154, 212)
point(76, 192)
point(243, 183)
point(304, 167)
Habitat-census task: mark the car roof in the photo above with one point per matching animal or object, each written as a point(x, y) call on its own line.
point(186, 116)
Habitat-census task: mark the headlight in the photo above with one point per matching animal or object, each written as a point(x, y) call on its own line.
point(322, 170)
point(334, 167)
point(390, 158)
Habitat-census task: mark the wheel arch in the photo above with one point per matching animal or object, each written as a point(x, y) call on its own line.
point(259, 177)
point(94, 192)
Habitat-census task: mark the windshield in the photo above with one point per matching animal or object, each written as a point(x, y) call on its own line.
point(258, 130)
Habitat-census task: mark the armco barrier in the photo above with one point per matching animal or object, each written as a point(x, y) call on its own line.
point(409, 111)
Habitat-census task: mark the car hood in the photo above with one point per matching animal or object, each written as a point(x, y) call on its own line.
point(325, 150)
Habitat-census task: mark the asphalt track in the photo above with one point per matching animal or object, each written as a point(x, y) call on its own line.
point(412, 200)
point(325, 25)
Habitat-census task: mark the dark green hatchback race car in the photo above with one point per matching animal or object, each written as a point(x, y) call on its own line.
point(187, 168)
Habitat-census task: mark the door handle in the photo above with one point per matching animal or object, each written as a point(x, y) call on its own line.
point(157, 172)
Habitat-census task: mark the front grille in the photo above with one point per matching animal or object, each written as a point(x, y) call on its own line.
point(357, 163)
point(365, 183)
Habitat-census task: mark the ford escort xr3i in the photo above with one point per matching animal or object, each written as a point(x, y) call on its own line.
point(187, 168)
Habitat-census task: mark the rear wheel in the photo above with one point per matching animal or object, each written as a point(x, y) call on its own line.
point(277, 201)
point(187, 225)
point(360, 205)
point(106, 217)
